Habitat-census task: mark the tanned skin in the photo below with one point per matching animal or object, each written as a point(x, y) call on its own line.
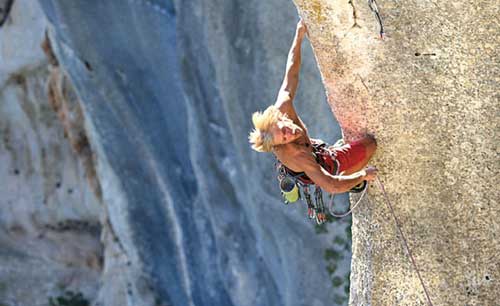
point(292, 145)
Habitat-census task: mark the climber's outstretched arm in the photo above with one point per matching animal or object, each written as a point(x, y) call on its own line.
point(291, 80)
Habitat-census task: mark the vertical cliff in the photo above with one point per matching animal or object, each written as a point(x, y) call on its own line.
point(49, 216)
point(191, 215)
point(429, 91)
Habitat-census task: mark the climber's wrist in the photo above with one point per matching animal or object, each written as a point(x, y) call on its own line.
point(299, 34)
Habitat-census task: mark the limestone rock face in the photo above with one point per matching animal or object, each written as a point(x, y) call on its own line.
point(429, 92)
point(167, 90)
point(49, 216)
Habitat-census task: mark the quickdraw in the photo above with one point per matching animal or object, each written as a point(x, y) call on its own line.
point(372, 4)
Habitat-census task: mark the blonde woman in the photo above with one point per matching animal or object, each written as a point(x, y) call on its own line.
point(279, 130)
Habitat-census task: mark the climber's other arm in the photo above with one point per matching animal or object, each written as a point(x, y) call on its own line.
point(286, 94)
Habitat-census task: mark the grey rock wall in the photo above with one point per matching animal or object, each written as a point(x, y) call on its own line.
point(169, 91)
point(49, 216)
point(128, 176)
point(175, 199)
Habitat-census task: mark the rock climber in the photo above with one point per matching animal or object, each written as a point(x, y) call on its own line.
point(279, 130)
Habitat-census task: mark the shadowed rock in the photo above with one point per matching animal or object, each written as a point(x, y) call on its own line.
point(167, 90)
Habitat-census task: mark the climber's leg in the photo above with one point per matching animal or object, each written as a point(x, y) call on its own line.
point(354, 156)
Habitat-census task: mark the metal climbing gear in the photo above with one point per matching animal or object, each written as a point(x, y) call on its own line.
point(289, 189)
point(374, 8)
point(288, 184)
point(320, 205)
point(311, 211)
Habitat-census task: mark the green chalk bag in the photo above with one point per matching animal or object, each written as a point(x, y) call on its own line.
point(289, 189)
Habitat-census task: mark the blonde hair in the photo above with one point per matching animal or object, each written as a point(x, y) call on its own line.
point(261, 137)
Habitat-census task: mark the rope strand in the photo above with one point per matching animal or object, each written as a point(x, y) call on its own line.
point(372, 4)
point(330, 204)
point(404, 240)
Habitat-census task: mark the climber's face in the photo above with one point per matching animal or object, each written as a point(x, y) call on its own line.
point(285, 131)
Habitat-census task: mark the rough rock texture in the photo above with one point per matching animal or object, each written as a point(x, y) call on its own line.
point(166, 92)
point(429, 91)
point(63, 99)
point(49, 217)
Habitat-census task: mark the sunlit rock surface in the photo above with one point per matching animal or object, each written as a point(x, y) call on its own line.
point(49, 217)
point(191, 215)
point(429, 92)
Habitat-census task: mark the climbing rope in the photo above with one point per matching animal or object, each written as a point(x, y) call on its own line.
point(330, 204)
point(381, 186)
point(374, 8)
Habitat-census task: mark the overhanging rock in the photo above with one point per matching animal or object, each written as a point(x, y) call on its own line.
point(429, 91)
